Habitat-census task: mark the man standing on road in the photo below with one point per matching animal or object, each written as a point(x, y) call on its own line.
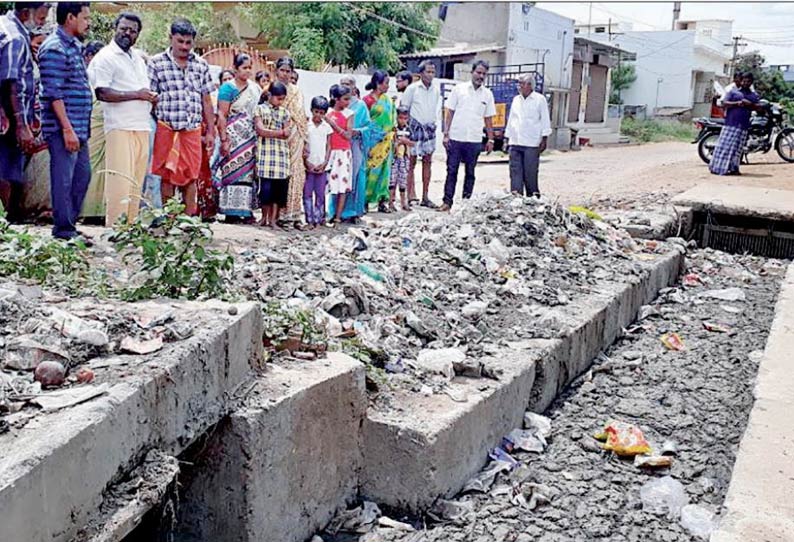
point(739, 103)
point(17, 99)
point(467, 106)
point(423, 100)
point(118, 73)
point(528, 128)
point(66, 115)
point(183, 86)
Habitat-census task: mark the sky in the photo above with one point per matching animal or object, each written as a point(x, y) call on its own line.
point(767, 26)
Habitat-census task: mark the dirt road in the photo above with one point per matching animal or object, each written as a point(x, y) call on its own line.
point(639, 174)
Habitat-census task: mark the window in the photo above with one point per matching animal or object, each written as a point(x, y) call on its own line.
point(575, 30)
point(526, 26)
point(707, 32)
point(600, 29)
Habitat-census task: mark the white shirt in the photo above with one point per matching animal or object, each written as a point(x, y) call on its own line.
point(471, 107)
point(529, 120)
point(318, 141)
point(424, 103)
point(113, 68)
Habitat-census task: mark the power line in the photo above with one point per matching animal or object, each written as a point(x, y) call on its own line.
point(395, 23)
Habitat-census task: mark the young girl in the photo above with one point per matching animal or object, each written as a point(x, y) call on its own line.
point(316, 156)
point(340, 177)
point(400, 165)
point(272, 124)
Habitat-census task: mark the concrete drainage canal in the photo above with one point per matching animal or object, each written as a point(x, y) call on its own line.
point(524, 340)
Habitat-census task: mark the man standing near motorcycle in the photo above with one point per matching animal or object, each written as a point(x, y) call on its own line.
point(738, 103)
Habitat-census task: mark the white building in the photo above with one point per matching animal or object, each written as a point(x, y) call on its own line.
point(675, 69)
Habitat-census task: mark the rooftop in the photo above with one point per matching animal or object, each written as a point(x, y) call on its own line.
point(458, 49)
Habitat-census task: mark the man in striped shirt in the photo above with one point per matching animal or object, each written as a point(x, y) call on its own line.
point(17, 96)
point(66, 116)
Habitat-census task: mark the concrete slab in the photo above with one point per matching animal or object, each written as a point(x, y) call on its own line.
point(281, 466)
point(739, 200)
point(435, 444)
point(53, 472)
point(760, 500)
point(652, 224)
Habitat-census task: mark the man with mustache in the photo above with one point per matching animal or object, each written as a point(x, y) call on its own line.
point(118, 75)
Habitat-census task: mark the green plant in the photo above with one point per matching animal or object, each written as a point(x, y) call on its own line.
point(157, 18)
point(653, 130)
point(622, 77)
point(281, 323)
point(45, 260)
point(170, 252)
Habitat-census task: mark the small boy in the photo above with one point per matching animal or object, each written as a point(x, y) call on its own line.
point(401, 164)
point(315, 157)
point(272, 124)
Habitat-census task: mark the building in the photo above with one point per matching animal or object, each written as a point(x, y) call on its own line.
point(610, 28)
point(786, 69)
point(588, 102)
point(507, 34)
point(676, 68)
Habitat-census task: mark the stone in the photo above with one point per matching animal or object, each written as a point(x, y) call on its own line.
point(441, 361)
point(93, 337)
point(51, 374)
point(475, 309)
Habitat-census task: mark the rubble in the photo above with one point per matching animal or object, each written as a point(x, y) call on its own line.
point(493, 271)
point(691, 404)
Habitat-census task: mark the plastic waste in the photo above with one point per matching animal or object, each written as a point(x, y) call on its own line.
point(698, 521)
point(451, 510)
point(624, 439)
point(663, 496)
point(526, 440)
point(673, 341)
point(653, 461)
point(541, 424)
point(726, 294)
point(371, 272)
point(717, 328)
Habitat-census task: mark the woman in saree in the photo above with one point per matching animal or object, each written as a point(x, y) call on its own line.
point(293, 212)
point(379, 158)
point(235, 177)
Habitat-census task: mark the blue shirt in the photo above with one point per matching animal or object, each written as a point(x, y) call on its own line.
point(16, 60)
point(63, 77)
point(739, 117)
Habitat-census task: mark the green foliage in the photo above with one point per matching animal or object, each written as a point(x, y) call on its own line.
point(281, 323)
point(349, 34)
point(623, 76)
point(769, 84)
point(101, 26)
point(170, 252)
point(653, 131)
point(26, 255)
point(157, 19)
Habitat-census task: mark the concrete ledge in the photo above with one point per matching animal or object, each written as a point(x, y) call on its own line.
point(739, 200)
point(281, 466)
point(435, 444)
point(54, 471)
point(760, 499)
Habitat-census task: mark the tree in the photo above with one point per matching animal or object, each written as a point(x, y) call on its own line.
point(348, 34)
point(769, 84)
point(157, 19)
point(622, 78)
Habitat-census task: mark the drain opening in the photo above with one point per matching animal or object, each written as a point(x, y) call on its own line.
point(744, 234)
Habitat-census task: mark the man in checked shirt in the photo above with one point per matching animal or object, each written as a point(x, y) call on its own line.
point(183, 84)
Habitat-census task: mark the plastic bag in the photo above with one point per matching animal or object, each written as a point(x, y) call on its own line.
point(673, 341)
point(697, 520)
point(664, 495)
point(624, 439)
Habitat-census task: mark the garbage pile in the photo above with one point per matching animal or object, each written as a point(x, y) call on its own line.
point(51, 347)
point(430, 292)
point(641, 447)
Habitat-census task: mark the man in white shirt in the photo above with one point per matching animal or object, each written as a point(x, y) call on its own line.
point(528, 128)
point(423, 100)
point(118, 75)
point(468, 105)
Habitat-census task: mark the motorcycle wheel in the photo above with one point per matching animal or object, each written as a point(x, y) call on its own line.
point(707, 145)
point(784, 144)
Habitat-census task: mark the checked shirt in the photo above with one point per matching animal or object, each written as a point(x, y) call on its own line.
point(272, 156)
point(180, 91)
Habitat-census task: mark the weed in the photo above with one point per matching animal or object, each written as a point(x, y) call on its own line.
point(169, 249)
point(653, 131)
point(282, 323)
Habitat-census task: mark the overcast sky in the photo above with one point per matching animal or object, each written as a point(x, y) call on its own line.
point(768, 26)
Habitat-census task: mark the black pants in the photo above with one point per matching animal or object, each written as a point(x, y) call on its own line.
point(460, 151)
point(524, 163)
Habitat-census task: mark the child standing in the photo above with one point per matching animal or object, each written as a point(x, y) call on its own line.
point(401, 164)
point(340, 176)
point(316, 157)
point(271, 121)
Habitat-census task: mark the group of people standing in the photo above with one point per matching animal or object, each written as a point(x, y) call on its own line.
point(245, 142)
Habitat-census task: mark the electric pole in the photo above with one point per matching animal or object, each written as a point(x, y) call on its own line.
point(676, 13)
point(736, 44)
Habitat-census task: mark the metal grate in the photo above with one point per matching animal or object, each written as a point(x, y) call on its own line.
point(764, 239)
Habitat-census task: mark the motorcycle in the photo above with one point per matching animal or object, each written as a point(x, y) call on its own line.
point(768, 129)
